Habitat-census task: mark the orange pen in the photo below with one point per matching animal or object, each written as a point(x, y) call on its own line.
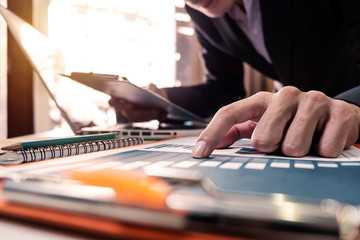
point(131, 187)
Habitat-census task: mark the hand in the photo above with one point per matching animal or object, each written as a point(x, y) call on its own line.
point(136, 113)
point(289, 121)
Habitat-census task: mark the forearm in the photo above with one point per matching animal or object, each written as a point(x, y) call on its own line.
point(205, 99)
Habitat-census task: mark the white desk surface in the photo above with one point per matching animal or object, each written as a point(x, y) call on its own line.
point(15, 230)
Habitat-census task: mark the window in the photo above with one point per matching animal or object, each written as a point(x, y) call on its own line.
point(138, 39)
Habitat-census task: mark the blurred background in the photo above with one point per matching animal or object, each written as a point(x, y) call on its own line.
point(145, 41)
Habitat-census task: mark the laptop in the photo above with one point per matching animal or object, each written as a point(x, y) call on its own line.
point(43, 56)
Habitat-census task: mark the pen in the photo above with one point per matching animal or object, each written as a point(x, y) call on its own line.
point(58, 141)
point(131, 187)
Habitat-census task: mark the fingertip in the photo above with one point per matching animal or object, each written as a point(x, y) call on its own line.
point(329, 151)
point(199, 149)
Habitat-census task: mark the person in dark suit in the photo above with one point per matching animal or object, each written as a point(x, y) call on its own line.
point(312, 47)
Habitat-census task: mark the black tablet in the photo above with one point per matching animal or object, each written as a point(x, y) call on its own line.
point(120, 87)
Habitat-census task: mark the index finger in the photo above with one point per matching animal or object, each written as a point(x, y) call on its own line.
point(250, 108)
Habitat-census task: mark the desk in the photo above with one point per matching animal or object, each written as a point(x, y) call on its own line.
point(12, 229)
point(38, 223)
point(115, 228)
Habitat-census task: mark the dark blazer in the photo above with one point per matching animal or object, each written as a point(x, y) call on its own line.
point(313, 45)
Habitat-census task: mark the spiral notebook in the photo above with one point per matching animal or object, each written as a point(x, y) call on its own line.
point(43, 57)
point(51, 151)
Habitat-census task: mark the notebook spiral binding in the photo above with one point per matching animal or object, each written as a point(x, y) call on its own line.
point(58, 151)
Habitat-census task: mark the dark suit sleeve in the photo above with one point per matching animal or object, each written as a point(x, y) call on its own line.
point(224, 74)
point(351, 96)
point(350, 18)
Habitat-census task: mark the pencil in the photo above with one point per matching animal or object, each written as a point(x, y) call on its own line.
point(58, 141)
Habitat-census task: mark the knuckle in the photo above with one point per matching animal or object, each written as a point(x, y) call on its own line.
point(329, 151)
point(342, 108)
point(293, 150)
point(263, 144)
point(289, 91)
point(315, 97)
point(287, 95)
point(227, 112)
point(262, 94)
point(343, 114)
point(228, 109)
point(260, 102)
